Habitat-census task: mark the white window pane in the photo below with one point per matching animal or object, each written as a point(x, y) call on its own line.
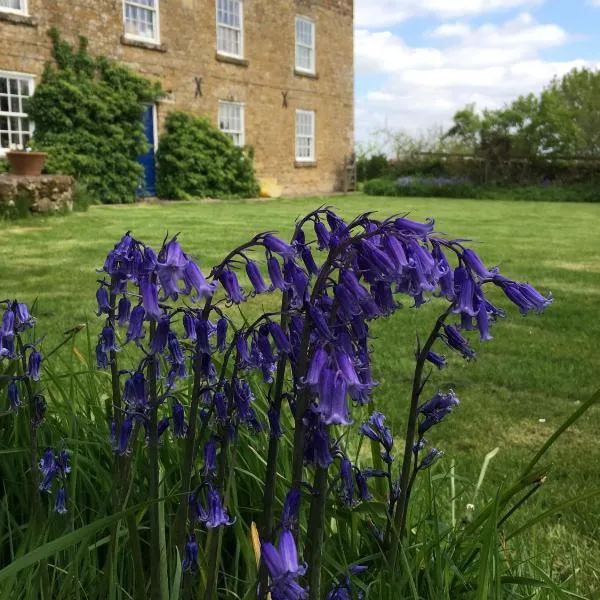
point(12, 5)
point(231, 121)
point(15, 127)
point(141, 18)
point(229, 27)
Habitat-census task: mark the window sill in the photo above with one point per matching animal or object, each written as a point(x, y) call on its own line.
point(307, 74)
point(232, 60)
point(18, 19)
point(127, 41)
point(305, 164)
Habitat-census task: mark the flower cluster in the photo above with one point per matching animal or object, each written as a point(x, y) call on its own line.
point(315, 353)
point(55, 467)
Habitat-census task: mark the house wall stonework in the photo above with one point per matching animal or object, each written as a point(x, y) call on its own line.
point(187, 50)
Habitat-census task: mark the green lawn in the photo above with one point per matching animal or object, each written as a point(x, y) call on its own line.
point(524, 383)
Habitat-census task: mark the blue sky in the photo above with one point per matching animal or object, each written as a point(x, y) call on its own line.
point(418, 61)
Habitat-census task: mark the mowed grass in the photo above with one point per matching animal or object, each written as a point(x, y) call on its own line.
point(523, 384)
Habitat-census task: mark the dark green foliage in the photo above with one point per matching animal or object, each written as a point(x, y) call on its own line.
point(371, 167)
point(18, 210)
point(82, 199)
point(195, 159)
point(4, 167)
point(88, 117)
point(423, 188)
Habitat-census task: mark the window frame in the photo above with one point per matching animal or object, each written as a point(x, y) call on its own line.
point(141, 38)
point(229, 132)
point(241, 30)
point(18, 75)
point(313, 137)
point(312, 70)
point(15, 11)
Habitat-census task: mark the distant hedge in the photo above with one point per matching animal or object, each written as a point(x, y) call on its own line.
point(195, 159)
point(438, 188)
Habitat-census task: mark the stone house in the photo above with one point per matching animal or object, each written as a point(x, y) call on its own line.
point(276, 75)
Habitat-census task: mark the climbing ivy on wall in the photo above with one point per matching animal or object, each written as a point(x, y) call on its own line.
point(88, 117)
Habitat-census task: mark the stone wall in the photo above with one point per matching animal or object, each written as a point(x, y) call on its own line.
point(187, 50)
point(41, 194)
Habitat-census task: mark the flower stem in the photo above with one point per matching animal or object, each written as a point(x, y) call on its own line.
point(155, 538)
point(314, 538)
point(403, 500)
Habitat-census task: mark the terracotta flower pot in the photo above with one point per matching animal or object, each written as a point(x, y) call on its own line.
point(26, 163)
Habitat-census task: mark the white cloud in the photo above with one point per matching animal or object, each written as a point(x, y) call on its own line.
point(489, 65)
point(385, 13)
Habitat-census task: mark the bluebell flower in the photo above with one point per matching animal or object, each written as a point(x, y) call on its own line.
point(195, 280)
point(220, 403)
point(384, 298)
point(190, 560)
point(108, 340)
point(62, 463)
point(309, 261)
point(483, 322)
point(136, 324)
point(103, 301)
point(170, 267)
point(346, 304)
point(396, 251)
point(347, 370)
point(14, 396)
point(279, 337)
point(123, 311)
point(60, 506)
point(149, 293)
point(317, 446)
point(175, 350)
point(435, 409)
point(102, 361)
point(163, 425)
point(135, 392)
point(47, 462)
point(443, 273)
point(431, 457)
point(256, 278)
point(415, 228)
point(323, 236)
point(346, 482)
point(210, 458)
point(189, 327)
point(277, 245)
point(230, 284)
point(222, 326)
point(317, 364)
point(215, 515)
point(333, 406)
point(275, 274)
point(376, 430)
point(124, 435)
point(457, 342)
point(319, 321)
point(436, 359)
point(49, 475)
point(23, 317)
point(284, 570)
point(525, 297)
point(298, 283)
point(159, 340)
point(179, 425)
point(362, 486)
point(291, 510)
point(476, 265)
point(465, 292)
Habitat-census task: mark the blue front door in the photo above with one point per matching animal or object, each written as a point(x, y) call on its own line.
point(147, 187)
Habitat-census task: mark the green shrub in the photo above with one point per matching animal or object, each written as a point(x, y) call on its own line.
point(423, 188)
point(82, 199)
point(372, 167)
point(196, 159)
point(4, 166)
point(380, 187)
point(88, 117)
